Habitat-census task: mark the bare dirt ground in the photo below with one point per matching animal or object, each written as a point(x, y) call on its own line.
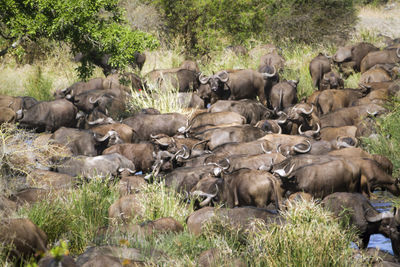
point(384, 20)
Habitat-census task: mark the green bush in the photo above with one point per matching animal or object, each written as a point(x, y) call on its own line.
point(387, 140)
point(206, 24)
point(38, 86)
point(309, 21)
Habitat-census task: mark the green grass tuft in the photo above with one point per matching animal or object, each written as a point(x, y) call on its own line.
point(76, 215)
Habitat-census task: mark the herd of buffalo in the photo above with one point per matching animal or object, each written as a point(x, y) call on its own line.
point(248, 144)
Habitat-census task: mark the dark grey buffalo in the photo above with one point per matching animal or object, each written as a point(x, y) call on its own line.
point(242, 84)
point(48, 116)
point(365, 217)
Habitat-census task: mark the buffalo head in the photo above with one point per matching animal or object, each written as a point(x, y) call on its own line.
point(217, 81)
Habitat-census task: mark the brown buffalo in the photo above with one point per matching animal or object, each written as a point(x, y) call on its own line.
point(142, 155)
point(24, 237)
point(242, 84)
point(252, 110)
point(48, 116)
point(364, 217)
point(243, 187)
point(283, 95)
point(331, 80)
point(84, 142)
point(146, 125)
point(7, 115)
point(126, 133)
point(389, 56)
point(240, 217)
point(332, 100)
point(216, 118)
point(350, 115)
point(220, 136)
point(318, 67)
point(323, 179)
point(375, 75)
point(333, 133)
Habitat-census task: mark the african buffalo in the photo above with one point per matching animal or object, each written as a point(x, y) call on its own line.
point(17, 102)
point(238, 85)
point(331, 100)
point(24, 237)
point(7, 115)
point(353, 54)
point(380, 57)
point(142, 155)
point(331, 80)
point(283, 95)
point(126, 133)
point(220, 136)
point(355, 152)
point(375, 75)
point(146, 125)
point(323, 179)
point(243, 187)
point(333, 133)
point(273, 60)
point(252, 110)
point(48, 116)
point(240, 217)
point(318, 67)
point(350, 115)
point(216, 118)
point(360, 213)
point(79, 88)
point(84, 142)
point(98, 166)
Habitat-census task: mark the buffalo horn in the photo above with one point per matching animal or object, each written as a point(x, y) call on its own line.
point(265, 151)
point(398, 52)
point(268, 75)
point(300, 131)
point(98, 121)
point(203, 79)
point(318, 129)
point(373, 114)
point(199, 143)
point(327, 56)
point(301, 150)
point(105, 137)
point(127, 169)
point(307, 112)
point(280, 129)
point(380, 217)
point(157, 136)
point(185, 154)
point(20, 114)
point(95, 101)
point(209, 197)
point(280, 120)
point(282, 173)
point(224, 80)
point(228, 164)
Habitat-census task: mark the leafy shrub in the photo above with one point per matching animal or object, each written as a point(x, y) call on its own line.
point(38, 86)
point(387, 140)
point(309, 21)
point(202, 25)
point(86, 26)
